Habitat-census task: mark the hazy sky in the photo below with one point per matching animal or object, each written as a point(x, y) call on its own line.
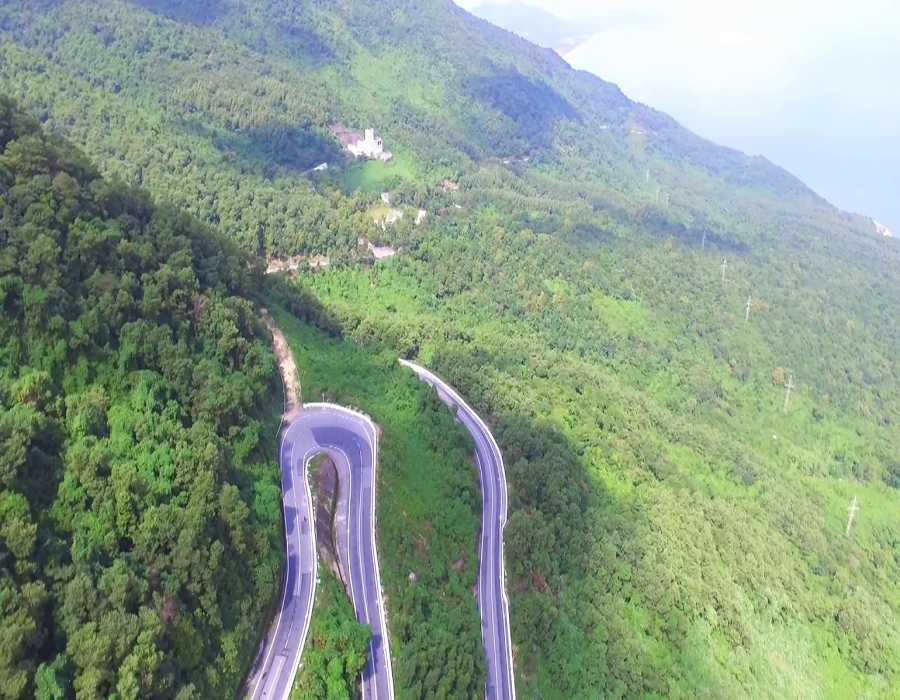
point(813, 86)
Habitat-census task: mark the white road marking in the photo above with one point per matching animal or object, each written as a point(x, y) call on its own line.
point(482, 435)
point(489, 517)
point(481, 577)
point(359, 559)
point(315, 574)
point(273, 674)
point(288, 565)
point(362, 574)
point(277, 664)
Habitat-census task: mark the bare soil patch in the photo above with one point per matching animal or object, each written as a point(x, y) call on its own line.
point(286, 365)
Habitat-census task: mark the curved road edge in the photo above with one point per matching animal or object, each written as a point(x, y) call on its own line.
point(324, 428)
point(382, 615)
point(265, 680)
point(454, 398)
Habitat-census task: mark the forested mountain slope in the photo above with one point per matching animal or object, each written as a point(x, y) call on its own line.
point(139, 502)
point(139, 488)
point(220, 106)
point(674, 530)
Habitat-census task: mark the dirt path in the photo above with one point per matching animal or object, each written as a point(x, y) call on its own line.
point(287, 366)
point(325, 477)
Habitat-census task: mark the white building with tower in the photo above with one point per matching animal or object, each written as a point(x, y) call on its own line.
point(369, 147)
point(361, 146)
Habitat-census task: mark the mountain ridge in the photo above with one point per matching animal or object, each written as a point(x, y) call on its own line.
point(535, 24)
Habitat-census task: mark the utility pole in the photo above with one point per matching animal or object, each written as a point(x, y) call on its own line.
point(724, 267)
point(749, 304)
point(789, 386)
point(852, 510)
point(647, 176)
point(703, 244)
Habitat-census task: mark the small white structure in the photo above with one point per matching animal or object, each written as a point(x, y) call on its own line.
point(882, 229)
point(379, 252)
point(321, 167)
point(369, 147)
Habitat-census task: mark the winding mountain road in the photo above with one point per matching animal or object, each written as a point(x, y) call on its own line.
point(350, 439)
point(493, 604)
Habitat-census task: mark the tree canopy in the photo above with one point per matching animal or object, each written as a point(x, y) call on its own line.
point(139, 505)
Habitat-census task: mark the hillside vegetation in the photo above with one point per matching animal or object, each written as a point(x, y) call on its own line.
point(221, 105)
point(674, 531)
point(139, 501)
point(337, 648)
point(139, 497)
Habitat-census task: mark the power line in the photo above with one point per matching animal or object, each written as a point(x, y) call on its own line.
point(852, 509)
point(789, 386)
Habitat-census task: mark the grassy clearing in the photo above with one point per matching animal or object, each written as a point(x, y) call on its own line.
point(717, 568)
point(375, 176)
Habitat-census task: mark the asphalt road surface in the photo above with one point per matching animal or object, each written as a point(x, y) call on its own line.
point(493, 604)
point(349, 438)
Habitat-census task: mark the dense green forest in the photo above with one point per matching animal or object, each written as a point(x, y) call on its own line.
point(674, 530)
point(139, 510)
point(668, 518)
